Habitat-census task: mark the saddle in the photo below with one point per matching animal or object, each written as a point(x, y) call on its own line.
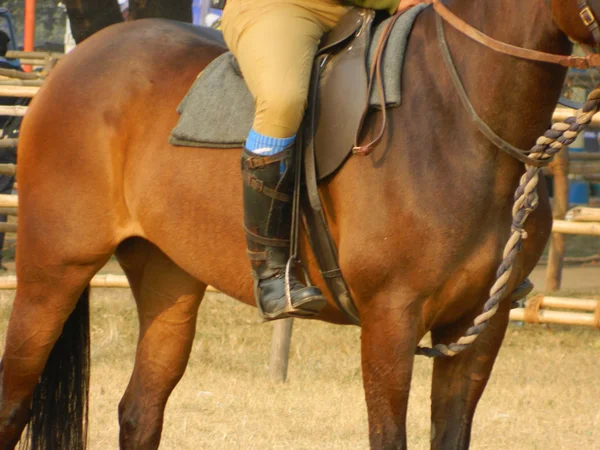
point(350, 59)
point(340, 67)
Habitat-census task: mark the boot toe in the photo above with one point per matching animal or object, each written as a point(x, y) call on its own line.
point(306, 301)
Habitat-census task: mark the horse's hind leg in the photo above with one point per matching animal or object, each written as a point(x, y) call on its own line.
point(51, 302)
point(167, 300)
point(459, 381)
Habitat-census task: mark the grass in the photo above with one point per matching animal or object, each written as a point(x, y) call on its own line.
point(543, 394)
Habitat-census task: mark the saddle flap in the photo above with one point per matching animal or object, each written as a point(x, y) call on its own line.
point(335, 125)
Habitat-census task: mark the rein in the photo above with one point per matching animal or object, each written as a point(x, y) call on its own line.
point(541, 154)
point(577, 62)
point(525, 197)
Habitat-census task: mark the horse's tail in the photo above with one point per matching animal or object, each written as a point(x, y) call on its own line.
point(59, 408)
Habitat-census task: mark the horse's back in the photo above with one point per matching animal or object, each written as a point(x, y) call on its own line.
point(127, 59)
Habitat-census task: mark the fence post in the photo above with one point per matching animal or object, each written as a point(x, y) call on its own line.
point(280, 349)
point(560, 170)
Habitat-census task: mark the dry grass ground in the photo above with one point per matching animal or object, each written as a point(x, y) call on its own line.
point(543, 394)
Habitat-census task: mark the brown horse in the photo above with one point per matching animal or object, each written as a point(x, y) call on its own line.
point(420, 223)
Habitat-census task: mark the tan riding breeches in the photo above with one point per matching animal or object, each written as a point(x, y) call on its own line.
point(275, 42)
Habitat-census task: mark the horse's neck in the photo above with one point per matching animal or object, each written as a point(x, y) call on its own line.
point(515, 97)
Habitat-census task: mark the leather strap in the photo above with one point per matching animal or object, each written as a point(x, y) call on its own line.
point(586, 62)
point(269, 242)
point(256, 256)
point(376, 74)
point(589, 19)
point(513, 151)
point(259, 186)
point(257, 162)
point(313, 216)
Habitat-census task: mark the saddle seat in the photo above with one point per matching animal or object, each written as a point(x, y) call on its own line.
point(220, 100)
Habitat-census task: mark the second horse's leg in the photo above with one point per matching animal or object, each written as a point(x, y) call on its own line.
point(167, 301)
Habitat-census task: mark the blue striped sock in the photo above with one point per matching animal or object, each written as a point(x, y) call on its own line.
point(266, 145)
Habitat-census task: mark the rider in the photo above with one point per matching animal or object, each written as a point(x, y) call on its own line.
point(275, 42)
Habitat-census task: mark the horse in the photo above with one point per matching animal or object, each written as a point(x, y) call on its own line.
point(419, 223)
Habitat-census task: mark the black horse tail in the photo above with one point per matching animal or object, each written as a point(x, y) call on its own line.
point(59, 408)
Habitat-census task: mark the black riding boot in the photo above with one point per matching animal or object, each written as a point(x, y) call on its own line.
point(268, 187)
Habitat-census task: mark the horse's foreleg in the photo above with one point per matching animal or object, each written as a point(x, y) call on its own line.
point(459, 381)
point(167, 300)
point(389, 339)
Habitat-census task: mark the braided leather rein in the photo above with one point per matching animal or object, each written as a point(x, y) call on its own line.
point(541, 154)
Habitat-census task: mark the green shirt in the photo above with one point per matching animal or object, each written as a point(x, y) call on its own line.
point(389, 5)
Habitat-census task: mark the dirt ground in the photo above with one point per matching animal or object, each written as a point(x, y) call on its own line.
point(543, 393)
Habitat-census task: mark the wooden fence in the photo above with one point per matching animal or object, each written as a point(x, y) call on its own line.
point(578, 221)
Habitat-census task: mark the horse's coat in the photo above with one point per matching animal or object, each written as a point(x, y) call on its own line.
point(420, 223)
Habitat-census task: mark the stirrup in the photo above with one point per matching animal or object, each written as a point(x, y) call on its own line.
point(309, 307)
point(306, 307)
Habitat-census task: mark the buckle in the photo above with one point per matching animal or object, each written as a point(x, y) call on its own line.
point(587, 16)
point(255, 163)
point(256, 184)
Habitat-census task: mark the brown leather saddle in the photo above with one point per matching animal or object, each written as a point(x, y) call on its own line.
point(330, 133)
point(340, 67)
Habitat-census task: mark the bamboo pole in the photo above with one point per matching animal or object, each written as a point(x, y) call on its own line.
point(584, 168)
point(15, 82)
point(560, 114)
point(580, 304)
point(560, 169)
point(566, 227)
point(8, 143)
point(105, 280)
point(13, 110)
point(8, 169)
point(13, 73)
point(15, 54)
point(9, 211)
point(280, 349)
point(561, 317)
point(583, 214)
point(8, 227)
point(18, 91)
point(584, 156)
point(9, 201)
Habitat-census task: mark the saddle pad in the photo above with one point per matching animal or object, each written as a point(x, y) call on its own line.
point(218, 110)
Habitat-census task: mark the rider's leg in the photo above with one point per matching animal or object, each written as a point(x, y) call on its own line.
point(275, 44)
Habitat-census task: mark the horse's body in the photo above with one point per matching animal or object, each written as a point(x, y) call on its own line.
point(420, 224)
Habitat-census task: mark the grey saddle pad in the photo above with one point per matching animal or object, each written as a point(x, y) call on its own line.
point(218, 110)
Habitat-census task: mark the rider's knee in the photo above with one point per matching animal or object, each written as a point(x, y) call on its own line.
point(280, 113)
